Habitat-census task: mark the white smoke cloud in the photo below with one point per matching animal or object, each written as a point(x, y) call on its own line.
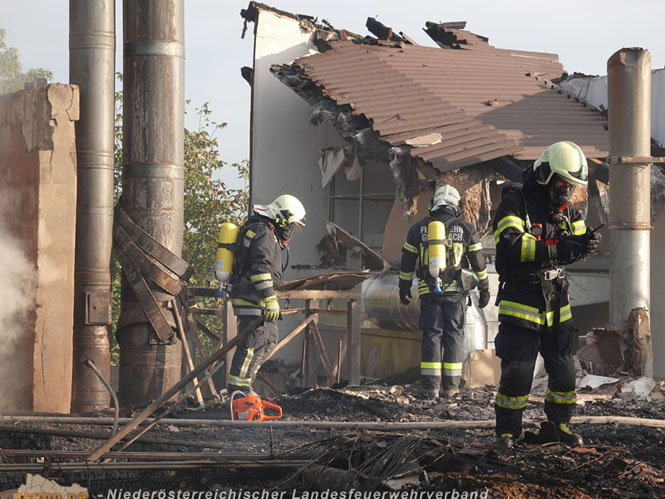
point(17, 309)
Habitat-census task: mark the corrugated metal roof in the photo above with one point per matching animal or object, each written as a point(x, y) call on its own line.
point(484, 102)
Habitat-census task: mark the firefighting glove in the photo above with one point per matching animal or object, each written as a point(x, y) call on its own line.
point(484, 297)
point(270, 307)
point(570, 249)
point(593, 240)
point(405, 293)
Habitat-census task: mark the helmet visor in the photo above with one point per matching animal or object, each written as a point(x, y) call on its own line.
point(581, 175)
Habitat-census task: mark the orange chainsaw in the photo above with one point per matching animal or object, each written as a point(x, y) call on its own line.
point(250, 407)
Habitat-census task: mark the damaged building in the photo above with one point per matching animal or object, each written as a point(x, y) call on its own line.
point(385, 120)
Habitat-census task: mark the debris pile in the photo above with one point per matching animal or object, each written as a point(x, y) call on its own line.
point(443, 453)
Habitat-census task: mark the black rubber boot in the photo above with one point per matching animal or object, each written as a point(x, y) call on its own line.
point(553, 432)
point(505, 441)
point(429, 388)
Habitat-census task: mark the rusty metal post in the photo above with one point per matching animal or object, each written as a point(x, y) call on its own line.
point(629, 92)
point(92, 68)
point(153, 177)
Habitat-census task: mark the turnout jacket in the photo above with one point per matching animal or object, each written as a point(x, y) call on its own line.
point(533, 287)
point(258, 266)
point(466, 249)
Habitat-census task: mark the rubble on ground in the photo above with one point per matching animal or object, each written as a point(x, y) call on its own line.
point(616, 461)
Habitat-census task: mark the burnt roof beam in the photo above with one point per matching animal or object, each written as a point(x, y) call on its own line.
point(382, 32)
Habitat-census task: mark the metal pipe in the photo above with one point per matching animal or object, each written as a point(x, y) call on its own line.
point(116, 406)
point(629, 92)
point(153, 177)
point(349, 425)
point(92, 68)
point(361, 202)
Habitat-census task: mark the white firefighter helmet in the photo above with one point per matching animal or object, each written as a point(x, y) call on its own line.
point(446, 195)
point(284, 211)
point(564, 159)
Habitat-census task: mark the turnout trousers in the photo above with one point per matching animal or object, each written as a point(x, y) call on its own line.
point(518, 348)
point(442, 322)
point(251, 353)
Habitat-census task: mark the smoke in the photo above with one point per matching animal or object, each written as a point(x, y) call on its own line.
point(17, 304)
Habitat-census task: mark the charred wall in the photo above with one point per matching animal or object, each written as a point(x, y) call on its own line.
point(37, 222)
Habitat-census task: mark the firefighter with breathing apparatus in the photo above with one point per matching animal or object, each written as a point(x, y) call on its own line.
point(441, 244)
point(257, 250)
point(537, 232)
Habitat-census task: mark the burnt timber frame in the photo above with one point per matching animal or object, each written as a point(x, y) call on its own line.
point(313, 339)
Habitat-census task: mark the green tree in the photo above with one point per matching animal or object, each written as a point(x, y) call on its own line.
point(208, 203)
point(12, 76)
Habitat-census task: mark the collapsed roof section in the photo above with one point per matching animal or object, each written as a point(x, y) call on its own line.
point(455, 108)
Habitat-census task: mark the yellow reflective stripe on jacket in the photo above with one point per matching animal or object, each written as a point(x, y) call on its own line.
point(578, 228)
point(528, 249)
point(475, 247)
point(260, 277)
point(505, 222)
point(411, 248)
point(406, 276)
point(532, 314)
point(514, 403)
point(250, 234)
point(451, 287)
point(481, 275)
point(561, 397)
point(565, 314)
point(514, 309)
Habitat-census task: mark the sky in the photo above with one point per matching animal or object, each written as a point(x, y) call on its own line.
point(584, 33)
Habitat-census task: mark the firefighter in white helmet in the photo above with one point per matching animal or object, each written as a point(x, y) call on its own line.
point(257, 270)
point(442, 304)
point(537, 231)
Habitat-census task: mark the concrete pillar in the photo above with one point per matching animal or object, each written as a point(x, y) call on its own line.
point(629, 79)
point(629, 93)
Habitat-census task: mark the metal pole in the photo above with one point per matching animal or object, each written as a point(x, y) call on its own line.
point(92, 68)
point(629, 92)
point(361, 202)
point(153, 177)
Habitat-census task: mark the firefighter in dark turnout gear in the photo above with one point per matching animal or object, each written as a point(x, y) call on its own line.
point(258, 269)
point(442, 313)
point(537, 231)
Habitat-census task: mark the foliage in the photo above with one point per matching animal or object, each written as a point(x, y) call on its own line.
point(12, 76)
point(208, 202)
